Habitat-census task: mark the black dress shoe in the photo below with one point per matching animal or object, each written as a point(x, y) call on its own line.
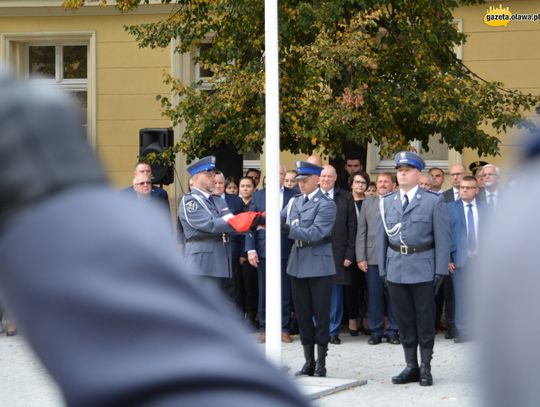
point(334, 340)
point(365, 331)
point(374, 340)
point(425, 375)
point(409, 375)
point(393, 339)
point(354, 332)
point(449, 334)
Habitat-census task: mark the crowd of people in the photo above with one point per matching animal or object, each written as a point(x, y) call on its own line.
point(100, 271)
point(357, 282)
point(356, 290)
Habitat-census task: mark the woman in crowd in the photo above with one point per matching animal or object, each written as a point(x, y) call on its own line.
point(371, 189)
point(290, 179)
point(355, 293)
point(231, 186)
point(246, 188)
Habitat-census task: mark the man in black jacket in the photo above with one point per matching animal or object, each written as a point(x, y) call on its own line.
point(343, 239)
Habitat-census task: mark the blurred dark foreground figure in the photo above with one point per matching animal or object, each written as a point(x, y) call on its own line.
point(506, 291)
point(96, 285)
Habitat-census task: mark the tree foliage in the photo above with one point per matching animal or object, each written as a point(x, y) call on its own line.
point(382, 71)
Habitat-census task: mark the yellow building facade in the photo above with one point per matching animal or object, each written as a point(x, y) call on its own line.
point(122, 80)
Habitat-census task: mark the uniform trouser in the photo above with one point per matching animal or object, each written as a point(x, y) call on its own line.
point(445, 298)
point(311, 298)
point(235, 285)
point(461, 281)
point(212, 283)
point(285, 295)
point(336, 309)
point(376, 304)
point(414, 308)
point(250, 289)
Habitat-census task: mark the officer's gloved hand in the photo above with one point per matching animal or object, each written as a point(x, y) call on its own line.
point(43, 147)
point(285, 229)
point(437, 282)
point(260, 220)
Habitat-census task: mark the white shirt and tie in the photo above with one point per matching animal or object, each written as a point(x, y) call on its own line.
point(410, 196)
point(329, 193)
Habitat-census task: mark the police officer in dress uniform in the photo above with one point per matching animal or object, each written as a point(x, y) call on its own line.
point(413, 248)
point(206, 223)
point(308, 219)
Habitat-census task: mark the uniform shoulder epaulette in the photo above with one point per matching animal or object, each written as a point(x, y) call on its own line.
point(389, 194)
point(326, 197)
point(297, 195)
point(432, 192)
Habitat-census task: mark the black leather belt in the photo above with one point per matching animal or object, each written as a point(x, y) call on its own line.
point(224, 237)
point(303, 243)
point(411, 249)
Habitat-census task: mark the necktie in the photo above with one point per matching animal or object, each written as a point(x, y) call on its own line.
point(491, 201)
point(211, 203)
point(328, 195)
point(405, 202)
point(471, 234)
point(306, 199)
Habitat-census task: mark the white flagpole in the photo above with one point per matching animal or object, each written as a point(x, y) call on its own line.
point(273, 235)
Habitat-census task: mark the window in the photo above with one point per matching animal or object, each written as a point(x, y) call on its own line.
point(62, 60)
point(63, 66)
point(436, 156)
point(201, 73)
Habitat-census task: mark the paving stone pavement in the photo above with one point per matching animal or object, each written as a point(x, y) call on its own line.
point(452, 368)
point(24, 382)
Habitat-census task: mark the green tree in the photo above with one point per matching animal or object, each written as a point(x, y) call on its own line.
point(381, 71)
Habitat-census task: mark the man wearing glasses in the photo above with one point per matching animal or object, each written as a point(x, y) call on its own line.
point(142, 185)
point(464, 220)
point(145, 170)
point(445, 296)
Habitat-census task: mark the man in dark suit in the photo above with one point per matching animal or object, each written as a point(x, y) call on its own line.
point(445, 296)
point(157, 193)
point(309, 219)
point(256, 250)
point(457, 172)
point(413, 248)
point(99, 289)
point(491, 192)
point(343, 237)
point(464, 215)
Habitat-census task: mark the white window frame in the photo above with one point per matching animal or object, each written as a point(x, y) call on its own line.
point(14, 54)
point(385, 165)
point(205, 85)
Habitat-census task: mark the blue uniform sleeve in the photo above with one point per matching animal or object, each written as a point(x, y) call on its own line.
point(198, 217)
point(320, 228)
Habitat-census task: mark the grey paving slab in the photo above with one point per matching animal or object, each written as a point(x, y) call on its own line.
point(24, 382)
point(455, 382)
point(314, 387)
